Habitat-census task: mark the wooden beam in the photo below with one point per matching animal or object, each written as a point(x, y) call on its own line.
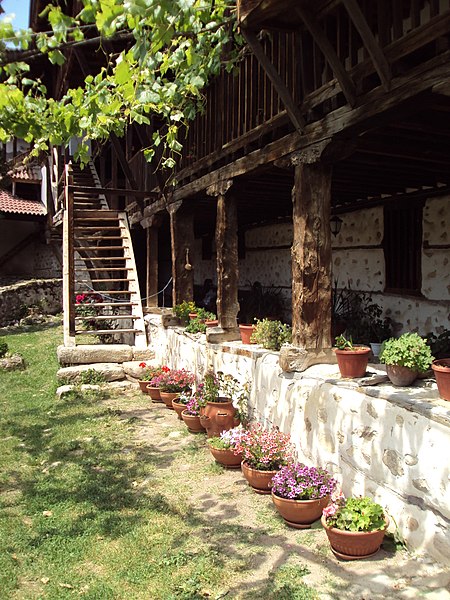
point(152, 267)
point(311, 257)
point(279, 85)
point(125, 166)
point(321, 39)
point(374, 50)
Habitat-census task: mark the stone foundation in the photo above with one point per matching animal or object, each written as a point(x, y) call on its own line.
point(389, 443)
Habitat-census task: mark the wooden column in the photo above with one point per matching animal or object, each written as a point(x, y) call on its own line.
point(182, 243)
point(311, 263)
point(227, 264)
point(311, 257)
point(152, 266)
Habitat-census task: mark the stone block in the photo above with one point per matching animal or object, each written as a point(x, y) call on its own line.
point(132, 368)
point(110, 371)
point(216, 335)
point(94, 353)
point(293, 358)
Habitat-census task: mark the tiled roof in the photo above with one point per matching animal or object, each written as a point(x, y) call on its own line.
point(26, 173)
point(14, 204)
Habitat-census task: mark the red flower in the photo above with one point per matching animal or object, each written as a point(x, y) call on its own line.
point(165, 369)
point(142, 365)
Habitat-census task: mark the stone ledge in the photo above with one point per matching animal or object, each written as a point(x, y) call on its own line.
point(110, 371)
point(94, 353)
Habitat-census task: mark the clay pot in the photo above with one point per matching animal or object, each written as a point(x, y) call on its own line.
point(246, 333)
point(260, 481)
point(178, 408)
point(352, 545)
point(192, 422)
point(226, 457)
point(143, 385)
point(399, 375)
point(192, 315)
point(154, 394)
point(167, 398)
point(300, 514)
point(212, 323)
point(219, 416)
point(353, 363)
point(441, 370)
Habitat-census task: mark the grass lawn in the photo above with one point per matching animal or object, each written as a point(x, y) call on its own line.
point(89, 509)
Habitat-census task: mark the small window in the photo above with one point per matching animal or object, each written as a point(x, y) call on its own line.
point(403, 246)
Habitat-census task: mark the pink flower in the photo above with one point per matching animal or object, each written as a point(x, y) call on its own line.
point(330, 510)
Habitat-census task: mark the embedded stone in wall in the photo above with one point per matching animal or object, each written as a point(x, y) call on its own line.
point(17, 297)
point(393, 460)
point(421, 485)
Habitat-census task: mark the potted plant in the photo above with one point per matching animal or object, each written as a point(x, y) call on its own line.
point(183, 310)
point(223, 448)
point(355, 527)
point(352, 360)
point(172, 383)
point(148, 374)
point(180, 402)
point(216, 394)
point(379, 329)
point(271, 334)
point(405, 357)
point(441, 368)
point(300, 493)
point(191, 415)
point(264, 452)
point(200, 321)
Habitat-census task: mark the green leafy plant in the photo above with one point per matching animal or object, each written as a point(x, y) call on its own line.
point(3, 349)
point(196, 326)
point(271, 334)
point(91, 376)
point(355, 514)
point(342, 343)
point(183, 309)
point(439, 344)
point(409, 350)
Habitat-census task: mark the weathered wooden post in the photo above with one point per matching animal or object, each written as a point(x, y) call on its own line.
point(182, 242)
point(227, 263)
point(311, 263)
point(152, 264)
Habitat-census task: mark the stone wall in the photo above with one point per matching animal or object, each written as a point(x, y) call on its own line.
point(46, 294)
point(385, 442)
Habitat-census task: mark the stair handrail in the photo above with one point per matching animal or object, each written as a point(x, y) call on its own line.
point(68, 259)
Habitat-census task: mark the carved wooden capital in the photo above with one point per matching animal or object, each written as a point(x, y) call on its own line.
point(172, 207)
point(326, 151)
point(220, 188)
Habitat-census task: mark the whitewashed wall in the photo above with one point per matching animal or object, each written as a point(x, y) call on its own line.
point(381, 441)
point(358, 262)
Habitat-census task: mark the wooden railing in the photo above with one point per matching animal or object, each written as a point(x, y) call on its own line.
point(68, 260)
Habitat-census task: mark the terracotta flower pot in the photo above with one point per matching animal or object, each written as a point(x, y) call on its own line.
point(441, 370)
point(226, 457)
point(246, 333)
point(219, 416)
point(192, 422)
point(300, 514)
point(154, 394)
point(260, 481)
point(178, 408)
point(143, 385)
point(399, 375)
point(352, 545)
point(167, 398)
point(353, 363)
point(212, 323)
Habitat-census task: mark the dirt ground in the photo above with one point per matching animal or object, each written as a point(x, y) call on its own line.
point(244, 522)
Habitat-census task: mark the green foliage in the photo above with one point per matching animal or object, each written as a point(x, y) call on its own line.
point(218, 443)
point(358, 514)
point(271, 334)
point(196, 325)
point(342, 343)
point(440, 344)
point(182, 310)
point(91, 376)
point(409, 350)
point(173, 49)
point(3, 348)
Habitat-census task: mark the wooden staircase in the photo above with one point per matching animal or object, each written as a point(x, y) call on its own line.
point(100, 287)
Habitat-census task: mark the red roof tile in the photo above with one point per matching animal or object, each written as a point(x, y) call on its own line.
point(14, 204)
point(26, 173)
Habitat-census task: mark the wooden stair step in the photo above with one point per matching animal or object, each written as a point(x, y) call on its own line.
point(104, 214)
point(105, 292)
point(94, 228)
point(106, 317)
point(105, 331)
point(119, 304)
point(98, 237)
point(103, 258)
point(100, 269)
point(105, 280)
point(101, 247)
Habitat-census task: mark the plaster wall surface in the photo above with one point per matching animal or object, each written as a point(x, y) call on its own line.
point(385, 442)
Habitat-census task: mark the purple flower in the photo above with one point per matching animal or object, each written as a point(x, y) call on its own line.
point(296, 481)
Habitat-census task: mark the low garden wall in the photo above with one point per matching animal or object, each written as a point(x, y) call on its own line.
point(386, 442)
point(45, 295)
